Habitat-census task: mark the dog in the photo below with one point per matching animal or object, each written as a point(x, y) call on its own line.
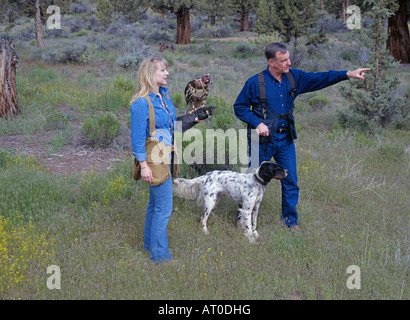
point(247, 189)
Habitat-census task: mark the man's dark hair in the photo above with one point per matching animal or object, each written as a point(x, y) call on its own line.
point(273, 48)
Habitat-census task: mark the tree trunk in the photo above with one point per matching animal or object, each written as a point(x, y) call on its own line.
point(183, 26)
point(8, 90)
point(345, 5)
point(39, 32)
point(398, 42)
point(244, 20)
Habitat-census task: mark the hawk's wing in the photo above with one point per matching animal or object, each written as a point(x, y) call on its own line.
point(196, 91)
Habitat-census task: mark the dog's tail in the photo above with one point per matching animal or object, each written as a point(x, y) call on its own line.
point(189, 189)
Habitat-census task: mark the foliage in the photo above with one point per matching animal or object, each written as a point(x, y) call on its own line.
point(214, 31)
point(93, 221)
point(101, 129)
point(243, 50)
point(104, 12)
point(76, 54)
point(22, 251)
point(129, 60)
point(290, 17)
point(374, 102)
point(125, 85)
point(264, 39)
point(318, 102)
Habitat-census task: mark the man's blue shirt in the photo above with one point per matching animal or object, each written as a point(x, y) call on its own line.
point(278, 99)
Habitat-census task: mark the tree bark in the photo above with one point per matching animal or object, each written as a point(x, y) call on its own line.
point(398, 42)
point(244, 20)
point(183, 26)
point(8, 90)
point(345, 5)
point(39, 31)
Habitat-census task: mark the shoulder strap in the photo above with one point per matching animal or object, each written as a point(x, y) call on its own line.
point(291, 79)
point(262, 92)
point(151, 117)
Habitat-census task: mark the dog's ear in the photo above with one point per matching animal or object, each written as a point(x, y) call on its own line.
point(272, 168)
point(266, 171)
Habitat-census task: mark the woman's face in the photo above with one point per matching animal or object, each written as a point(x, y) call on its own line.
point(161, 74)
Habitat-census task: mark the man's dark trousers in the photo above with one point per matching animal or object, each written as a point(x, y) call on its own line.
point(282, 149)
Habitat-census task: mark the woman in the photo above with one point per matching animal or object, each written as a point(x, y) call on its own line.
point(152, 77)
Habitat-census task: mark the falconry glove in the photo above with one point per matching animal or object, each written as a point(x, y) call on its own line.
point(187, 121)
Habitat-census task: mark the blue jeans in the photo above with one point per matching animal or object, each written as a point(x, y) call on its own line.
point(158, 213)
point(282, 149)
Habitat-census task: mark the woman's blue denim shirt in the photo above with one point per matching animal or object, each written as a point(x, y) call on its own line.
point(140, 122)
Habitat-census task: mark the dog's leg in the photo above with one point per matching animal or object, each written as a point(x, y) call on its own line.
point(238, 214)
point(209, 204)
point(245, 221)
point(255, 219)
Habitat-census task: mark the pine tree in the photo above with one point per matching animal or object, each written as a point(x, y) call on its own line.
point(264, 24)
point(374, 102)
point(291, 18)
point(104, 12)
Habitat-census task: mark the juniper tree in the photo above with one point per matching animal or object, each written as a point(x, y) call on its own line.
point(104, 11)
point(291, 18)
point(376, 101)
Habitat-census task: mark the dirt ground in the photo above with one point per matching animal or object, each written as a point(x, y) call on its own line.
point(69, 159)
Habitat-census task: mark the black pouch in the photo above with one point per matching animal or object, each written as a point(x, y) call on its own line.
point(292, 128)
point(268, 118)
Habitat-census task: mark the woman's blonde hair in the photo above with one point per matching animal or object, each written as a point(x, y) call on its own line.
point(146, 76)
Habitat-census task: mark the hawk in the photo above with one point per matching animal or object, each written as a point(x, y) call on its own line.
point(196, 92)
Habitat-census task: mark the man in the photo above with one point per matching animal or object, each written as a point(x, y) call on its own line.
point(274, 123)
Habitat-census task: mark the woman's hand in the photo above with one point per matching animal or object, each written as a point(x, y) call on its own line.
point(146, 173)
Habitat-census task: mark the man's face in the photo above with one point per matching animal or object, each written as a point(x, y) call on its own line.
point(281, 63)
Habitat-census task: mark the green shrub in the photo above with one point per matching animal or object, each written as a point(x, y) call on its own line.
point(81, 33)
point(38, 75)
point(57, 121)
point(223, 117)
point(243, 50)
point(111, 100)
point(179, 100)
point(101, 129)
point(125, 85)
point(129, 60)
point(392, 152)
point(206, 49)
point(264, 39)
point(319, 102)
point(78, 54)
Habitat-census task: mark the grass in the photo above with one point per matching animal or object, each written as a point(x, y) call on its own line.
point(96, 223)
point(353, 203)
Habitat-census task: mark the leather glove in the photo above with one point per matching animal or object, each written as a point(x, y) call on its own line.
point(187, 121)
point(203, 113)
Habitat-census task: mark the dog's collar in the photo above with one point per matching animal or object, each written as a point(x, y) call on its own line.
point(259, 179)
